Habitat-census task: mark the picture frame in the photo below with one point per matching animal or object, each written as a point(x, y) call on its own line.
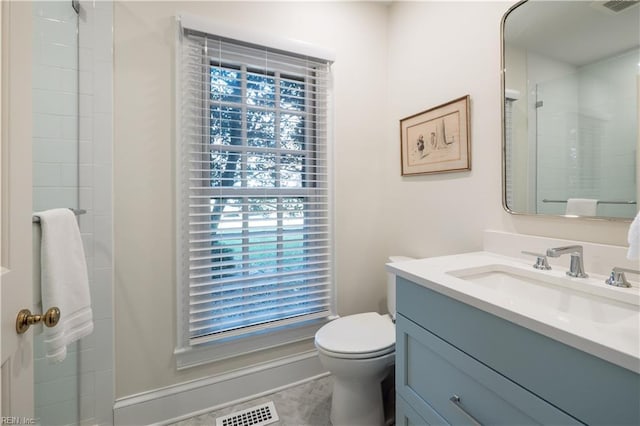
point(437, 140)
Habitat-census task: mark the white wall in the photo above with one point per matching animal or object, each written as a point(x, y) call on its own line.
point(143, 168)
point(391, 63)
point(439, 51)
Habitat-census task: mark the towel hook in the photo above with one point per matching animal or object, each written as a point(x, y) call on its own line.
point(26, 319)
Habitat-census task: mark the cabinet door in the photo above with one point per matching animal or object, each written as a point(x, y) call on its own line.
point(433, 375)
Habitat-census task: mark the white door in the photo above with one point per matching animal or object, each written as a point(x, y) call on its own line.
point(15, 211)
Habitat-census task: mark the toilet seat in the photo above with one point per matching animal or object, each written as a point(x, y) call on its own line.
point(358, 336)
point(355, 356)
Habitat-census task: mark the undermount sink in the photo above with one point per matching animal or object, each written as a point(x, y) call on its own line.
point(559, 294)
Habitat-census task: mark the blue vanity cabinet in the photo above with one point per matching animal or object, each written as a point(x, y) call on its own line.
point(457, 364)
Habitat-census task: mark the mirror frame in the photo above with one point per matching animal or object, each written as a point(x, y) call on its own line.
point(503, 149)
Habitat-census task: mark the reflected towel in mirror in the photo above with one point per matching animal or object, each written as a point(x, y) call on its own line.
point(582, 206)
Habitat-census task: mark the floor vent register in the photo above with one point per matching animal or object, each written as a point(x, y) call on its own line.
point(258, 415)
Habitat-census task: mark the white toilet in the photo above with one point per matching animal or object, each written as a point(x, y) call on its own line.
point(358, 351)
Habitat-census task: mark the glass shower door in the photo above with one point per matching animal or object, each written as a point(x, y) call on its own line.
point(556, 112)
point(55, 185)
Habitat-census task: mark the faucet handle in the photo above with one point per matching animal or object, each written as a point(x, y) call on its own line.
point(541, 260)
point(617, 277)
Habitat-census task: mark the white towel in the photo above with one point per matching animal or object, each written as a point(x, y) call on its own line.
point(633, 238)
point(582, 206)
point(65, 282)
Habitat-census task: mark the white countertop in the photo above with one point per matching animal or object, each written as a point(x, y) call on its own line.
point(617, 342)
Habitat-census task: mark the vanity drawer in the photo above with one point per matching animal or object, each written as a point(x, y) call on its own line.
point(432, 374)
point(407, 416)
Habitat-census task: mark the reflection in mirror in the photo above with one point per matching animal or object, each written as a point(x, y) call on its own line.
point(571, 92)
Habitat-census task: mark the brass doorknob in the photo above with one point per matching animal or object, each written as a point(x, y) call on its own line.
point(26, 319)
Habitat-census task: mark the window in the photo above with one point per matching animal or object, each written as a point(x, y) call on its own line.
point(254, 224)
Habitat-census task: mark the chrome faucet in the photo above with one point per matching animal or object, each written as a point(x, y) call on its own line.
point(576, 268)
point(617, 277)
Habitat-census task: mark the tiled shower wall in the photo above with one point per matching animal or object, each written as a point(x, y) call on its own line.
point(55, 105)
point(79, 390)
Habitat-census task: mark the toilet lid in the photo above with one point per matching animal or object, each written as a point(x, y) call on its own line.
point(358, 334)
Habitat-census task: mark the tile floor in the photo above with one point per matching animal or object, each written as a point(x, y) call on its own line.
point(307, 404)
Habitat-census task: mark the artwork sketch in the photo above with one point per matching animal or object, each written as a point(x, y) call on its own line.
point(436, 140)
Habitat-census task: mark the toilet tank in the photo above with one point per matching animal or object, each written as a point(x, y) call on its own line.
point(391, 285)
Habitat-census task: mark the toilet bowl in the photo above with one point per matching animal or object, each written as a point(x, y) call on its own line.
point(359, 350)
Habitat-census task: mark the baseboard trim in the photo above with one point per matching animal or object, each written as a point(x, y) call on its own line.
point(179, 402)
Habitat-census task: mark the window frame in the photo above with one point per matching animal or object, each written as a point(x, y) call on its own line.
point(188, 355)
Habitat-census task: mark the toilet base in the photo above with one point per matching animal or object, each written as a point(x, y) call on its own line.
point(357, 383)
point(356, 403)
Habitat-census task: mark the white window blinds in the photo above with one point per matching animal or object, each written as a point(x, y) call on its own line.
point(253, 190)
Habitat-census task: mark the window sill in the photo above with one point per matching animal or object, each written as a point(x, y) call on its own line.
point(193, 356)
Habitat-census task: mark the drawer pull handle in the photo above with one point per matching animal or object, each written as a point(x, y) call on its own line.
point(456, 401)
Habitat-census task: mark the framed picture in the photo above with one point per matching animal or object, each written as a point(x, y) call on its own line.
point(436, 140)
